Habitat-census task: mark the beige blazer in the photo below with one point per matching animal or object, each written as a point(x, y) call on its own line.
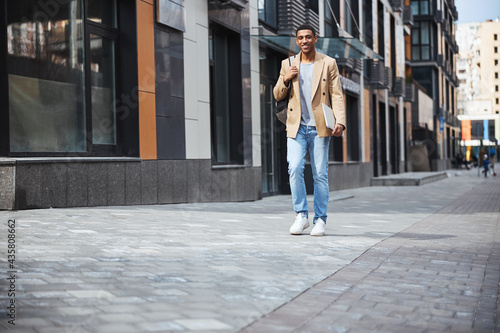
point(326, 86)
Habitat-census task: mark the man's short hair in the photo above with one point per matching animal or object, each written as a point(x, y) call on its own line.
point(306, 26)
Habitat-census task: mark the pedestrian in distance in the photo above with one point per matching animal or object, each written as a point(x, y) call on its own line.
point(492, 161)
point(486, 165)
point(310, 80)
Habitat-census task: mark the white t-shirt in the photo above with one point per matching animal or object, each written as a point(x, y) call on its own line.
point(305, 81)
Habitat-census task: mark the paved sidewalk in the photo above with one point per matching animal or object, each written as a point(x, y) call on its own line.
point(394, 259)
point(439, 275)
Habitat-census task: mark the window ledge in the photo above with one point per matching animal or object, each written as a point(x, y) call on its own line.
point(229, 166)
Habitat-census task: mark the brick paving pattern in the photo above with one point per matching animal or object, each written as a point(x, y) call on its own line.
point(394, 259)
point(439, 275)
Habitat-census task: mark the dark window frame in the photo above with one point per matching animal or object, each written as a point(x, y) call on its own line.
point(113, 34)
point(123, 118)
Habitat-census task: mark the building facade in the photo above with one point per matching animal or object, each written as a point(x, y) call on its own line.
point(130, 102)
point(126, 102)
point(479, 92)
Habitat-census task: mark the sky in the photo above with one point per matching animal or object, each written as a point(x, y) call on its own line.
point(477, 10)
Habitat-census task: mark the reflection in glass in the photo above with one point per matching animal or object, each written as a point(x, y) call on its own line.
point(414, 8)
point(46, 79)
point(102, 11)
point(102, 68)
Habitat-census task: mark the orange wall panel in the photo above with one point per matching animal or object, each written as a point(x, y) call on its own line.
point(146, 80)
point(146, 46)
point(147, 125)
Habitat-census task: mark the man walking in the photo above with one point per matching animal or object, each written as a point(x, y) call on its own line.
point(311, 80)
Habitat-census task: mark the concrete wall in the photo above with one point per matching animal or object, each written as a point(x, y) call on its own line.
point(38, 183)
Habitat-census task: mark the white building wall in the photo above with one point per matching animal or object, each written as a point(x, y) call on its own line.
point(197, 81)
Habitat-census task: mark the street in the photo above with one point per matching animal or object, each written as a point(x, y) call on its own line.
point(393, 259)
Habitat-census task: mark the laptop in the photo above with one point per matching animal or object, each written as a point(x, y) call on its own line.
point(329, 118)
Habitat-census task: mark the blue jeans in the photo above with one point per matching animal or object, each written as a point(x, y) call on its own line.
point(307, 138)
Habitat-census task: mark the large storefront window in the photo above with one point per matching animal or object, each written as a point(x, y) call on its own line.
point(61, 76)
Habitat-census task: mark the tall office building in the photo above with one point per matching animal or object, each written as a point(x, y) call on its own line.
point(479, 91)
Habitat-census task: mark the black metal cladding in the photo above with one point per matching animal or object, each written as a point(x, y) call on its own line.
point(293, 13)
point(408, 16)
point(379, 76)
point(399, 89)
point(409, 92)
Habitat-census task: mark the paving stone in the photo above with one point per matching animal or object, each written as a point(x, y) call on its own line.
point(393, 260)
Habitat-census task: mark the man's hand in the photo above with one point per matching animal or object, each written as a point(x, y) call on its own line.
point(290, 74)
point(338, 129)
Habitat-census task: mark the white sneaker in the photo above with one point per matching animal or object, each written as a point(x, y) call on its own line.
point(319, 228)
point(301, 223)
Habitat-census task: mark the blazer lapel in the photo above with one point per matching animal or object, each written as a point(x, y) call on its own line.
point(317, 70)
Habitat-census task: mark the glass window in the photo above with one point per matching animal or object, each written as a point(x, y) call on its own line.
point(415, 53)
point(330, 25)
point(421, 7)
point(426, 53)
point(313, 5)
point(415, 8)
point(424, 7)
point(61, 74)
point(102, 69)
point(45, 65)
point(352, 119)
point(268, 12)
point(415, 36)
point(421, 41)
point(424, 33)
point(226, 96)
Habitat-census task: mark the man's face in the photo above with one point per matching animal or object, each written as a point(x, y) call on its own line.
point(306, 41)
